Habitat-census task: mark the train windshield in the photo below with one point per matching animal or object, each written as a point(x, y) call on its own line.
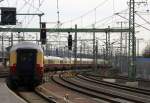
point(26, 61)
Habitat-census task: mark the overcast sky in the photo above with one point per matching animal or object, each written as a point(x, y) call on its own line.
point(69, 9)
point(81, 12)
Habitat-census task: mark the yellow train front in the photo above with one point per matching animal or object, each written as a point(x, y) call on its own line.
point(26, 65)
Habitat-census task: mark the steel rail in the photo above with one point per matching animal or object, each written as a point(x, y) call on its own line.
point(115, 85)
point(85, 88)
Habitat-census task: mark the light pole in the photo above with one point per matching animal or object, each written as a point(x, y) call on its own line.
point(2, 48)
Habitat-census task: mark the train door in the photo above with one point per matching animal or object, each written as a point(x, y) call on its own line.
point(26, 62)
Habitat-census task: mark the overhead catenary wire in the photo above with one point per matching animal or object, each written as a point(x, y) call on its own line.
point(32, 5)
point(108, 17)
point(88, 12)
point(82, 16)
point(40, 3)
point(143, 18)
point(36, 8)
point(101, 20)
point(22, 7)
point(135, 23)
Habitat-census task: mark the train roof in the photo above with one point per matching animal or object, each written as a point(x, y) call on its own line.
point(87, 59)
point(26, 45)
point(52, 57)
point(72, 59)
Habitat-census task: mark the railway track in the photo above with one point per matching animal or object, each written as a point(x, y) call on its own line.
point(116, 85)
point(94, 92)
point(114, 92)
point(138, 93)
point(119, 77)
point(33, 96)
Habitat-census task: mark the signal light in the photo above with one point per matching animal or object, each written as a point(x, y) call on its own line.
point(43, 36)
point(70, 42)
point(43, 33)
point(43, 25)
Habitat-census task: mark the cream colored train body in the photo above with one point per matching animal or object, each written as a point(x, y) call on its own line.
point(52, 63)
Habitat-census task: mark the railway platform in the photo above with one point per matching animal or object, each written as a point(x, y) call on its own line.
point(6, 95)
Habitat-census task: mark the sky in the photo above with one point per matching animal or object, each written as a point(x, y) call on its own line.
point(69, 9)
point(84, 13)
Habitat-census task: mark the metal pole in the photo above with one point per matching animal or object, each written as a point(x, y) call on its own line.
point(40, 26)
point(18, 37)
point(81, 53)
point(121, 50)
point(108, 44)
point(104, 51)
point(132, 43)
point(138, 47)
point(96, 52)
point(126, 52)
point(64, 52)
point(40, 21)
point(106, 54)
point(84, 50)
point(126, 37)
point(11, 39)
point(75, 48)
point(23, 38)
point(94, 61)
point(2, 48)
point(37, 38)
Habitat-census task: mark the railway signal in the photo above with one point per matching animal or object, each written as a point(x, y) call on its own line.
point(43, 33)
point(70, 42)
point(8, 16)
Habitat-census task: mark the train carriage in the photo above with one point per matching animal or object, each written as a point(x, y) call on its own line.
point(26, 65)
point(52, 63)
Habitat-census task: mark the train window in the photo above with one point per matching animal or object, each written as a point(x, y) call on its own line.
point(65, 62)
point(57, 61)
point(50, 61)
point(27, 57)
point(61, 61)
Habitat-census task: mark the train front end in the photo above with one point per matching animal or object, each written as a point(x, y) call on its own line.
point(26, 65)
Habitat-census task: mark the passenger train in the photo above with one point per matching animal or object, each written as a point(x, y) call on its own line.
point(26, 65)
point(52, 63)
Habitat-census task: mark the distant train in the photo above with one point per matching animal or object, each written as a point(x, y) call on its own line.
point(52, 63)
point(26, 65)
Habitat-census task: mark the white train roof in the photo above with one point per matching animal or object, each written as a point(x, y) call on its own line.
point(26, 45)
point(72, 59)
point(52, 57)
point(87, 59)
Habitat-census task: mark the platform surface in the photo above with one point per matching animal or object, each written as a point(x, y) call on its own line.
point(6, 95)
